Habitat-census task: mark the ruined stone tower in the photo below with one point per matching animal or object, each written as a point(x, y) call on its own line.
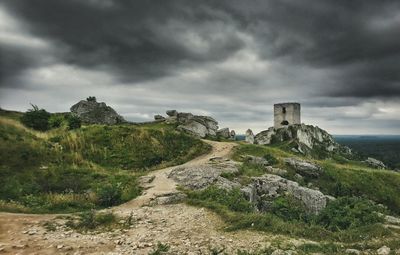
point(286, 114)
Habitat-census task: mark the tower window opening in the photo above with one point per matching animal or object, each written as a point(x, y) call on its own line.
point(284, 109)
point(285, 123)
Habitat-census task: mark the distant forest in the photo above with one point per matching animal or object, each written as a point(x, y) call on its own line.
point(384, 148)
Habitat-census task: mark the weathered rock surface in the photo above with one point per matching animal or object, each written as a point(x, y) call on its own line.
point(372, 162)
point(249, 136)
point(303, 167)
point(202, 176)
point(224, 132)
point(305, 139)
point(92, 112)
point(264, 189)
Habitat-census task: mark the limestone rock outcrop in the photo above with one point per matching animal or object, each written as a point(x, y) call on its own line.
point(202, 176)
point(200, 126)
point(264, 189)
point(92, 112)
point(304, 139)
point(303, 167)
point(249, 136)
point(372, 162)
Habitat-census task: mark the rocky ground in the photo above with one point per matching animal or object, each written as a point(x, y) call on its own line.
point(157, 217)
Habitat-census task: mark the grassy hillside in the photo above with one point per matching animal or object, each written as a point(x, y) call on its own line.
point(91, 167)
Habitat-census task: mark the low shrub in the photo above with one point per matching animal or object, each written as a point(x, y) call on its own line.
point(36, 118)
point(289, 208)
point(73, 122)
point(233, 200)
point(92, 220)
point(160, 249)
point(55, 121)
point(109, 194)
point(271, 159)
point(349, 212)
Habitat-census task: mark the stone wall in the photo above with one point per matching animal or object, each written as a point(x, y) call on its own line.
point(286, 114)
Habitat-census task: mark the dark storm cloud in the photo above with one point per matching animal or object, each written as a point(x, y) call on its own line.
point(231, 59)
point(140, 39)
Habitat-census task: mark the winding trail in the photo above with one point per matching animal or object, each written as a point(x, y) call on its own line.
point(162, 185)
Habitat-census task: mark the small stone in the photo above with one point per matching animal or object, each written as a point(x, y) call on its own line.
point(60, 246)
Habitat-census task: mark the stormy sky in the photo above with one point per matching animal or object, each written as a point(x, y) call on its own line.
point(228, 59)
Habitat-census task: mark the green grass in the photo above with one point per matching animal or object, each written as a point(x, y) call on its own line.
point(92, 167)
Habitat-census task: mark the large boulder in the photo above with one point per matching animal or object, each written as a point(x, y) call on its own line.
point(264, 189)
point(201, 126)
point(92, 112)
point(304, 167)
point(202, 176)
point(224, 132)
point(372, 162)
point(249, 136)
point(304, 139)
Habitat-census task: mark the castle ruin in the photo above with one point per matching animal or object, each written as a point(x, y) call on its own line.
point(286, 114)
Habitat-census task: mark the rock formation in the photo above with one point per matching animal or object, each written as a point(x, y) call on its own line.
point(92, 112)
point(372, 162)
point(304, 139)
point(200, 126)
point(264, 189)
point(249, 136)
point(303, 167)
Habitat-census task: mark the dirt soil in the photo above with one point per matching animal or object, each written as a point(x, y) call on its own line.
point(186, 229)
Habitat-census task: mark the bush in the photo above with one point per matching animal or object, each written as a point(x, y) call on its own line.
point(271, 159)
point(234, 199)
point(74, 122)
point(289, 208)
point(349, 212)
point(36, 118)
point(55, 121)
point(109, 194)
point(91, 220)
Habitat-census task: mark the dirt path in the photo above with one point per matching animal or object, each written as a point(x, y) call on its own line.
point(162, 185)
point(186, 229)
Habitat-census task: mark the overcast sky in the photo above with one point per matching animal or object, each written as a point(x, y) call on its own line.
point(228, 59)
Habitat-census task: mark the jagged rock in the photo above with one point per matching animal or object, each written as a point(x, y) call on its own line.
point(199, 177)
point(158, 117)
point(197, 125)
point(224, 132)
point(304, 167)
point(305, 139)
point(375, 163)
point(226, 184)
point(249, 136)
point(93, 112)
point(264, 137)
point(172, 113)
point(392, 220)
point(264, 189)
point(384, 250)
point(184, 117)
